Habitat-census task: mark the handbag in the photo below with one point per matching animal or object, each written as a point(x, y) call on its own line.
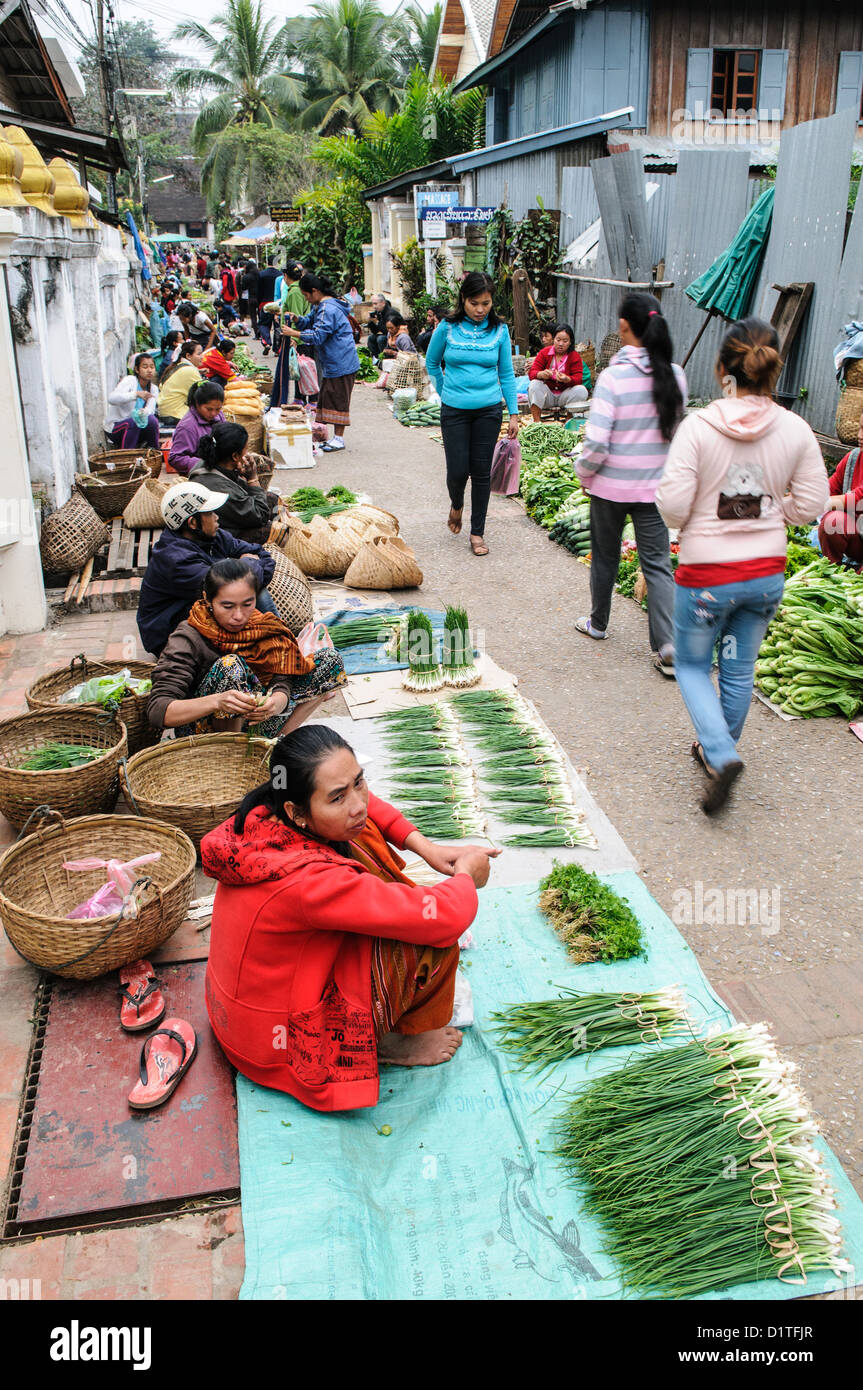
point(308, 377)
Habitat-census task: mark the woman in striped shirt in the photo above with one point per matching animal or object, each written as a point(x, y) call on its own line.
point(636, 407)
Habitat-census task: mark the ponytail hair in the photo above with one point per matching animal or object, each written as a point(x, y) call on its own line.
point(643, 313)
point(293, 767)
point(749, 354)
point(228, 438)
point(204, 391)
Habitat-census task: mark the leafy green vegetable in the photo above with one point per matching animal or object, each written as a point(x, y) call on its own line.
point(338, 493)
point(549, 1031)
point(593, 922)
point(811, 660)
point(54, 757)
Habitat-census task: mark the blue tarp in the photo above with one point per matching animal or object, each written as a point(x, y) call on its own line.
point(369, 657)
point(464, 1199)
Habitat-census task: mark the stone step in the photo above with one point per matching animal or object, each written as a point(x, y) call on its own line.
point(103, 596)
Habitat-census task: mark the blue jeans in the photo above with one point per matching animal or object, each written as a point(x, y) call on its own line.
point(734, 617)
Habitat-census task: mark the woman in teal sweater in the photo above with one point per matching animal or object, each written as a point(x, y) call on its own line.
point(469, 359)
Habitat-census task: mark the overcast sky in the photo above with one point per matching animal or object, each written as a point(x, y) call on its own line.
point(164, 15)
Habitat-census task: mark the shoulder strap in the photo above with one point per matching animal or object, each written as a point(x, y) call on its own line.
point(850, 465)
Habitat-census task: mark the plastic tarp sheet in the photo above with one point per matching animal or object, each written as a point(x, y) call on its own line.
point(370, 656)
point(464, 1199)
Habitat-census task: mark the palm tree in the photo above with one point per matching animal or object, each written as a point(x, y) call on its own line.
point(347, 50)
point(420, 31)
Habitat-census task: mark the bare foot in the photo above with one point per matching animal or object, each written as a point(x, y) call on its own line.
point(421, 1050)
point(454, 521)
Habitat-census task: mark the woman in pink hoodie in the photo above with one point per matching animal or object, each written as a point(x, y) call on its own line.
point(737, 473)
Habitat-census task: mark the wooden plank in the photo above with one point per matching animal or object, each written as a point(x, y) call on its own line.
point(661, 45)
point(789, 312)
point(143, 548)
point(114, 547)
point(125, 558)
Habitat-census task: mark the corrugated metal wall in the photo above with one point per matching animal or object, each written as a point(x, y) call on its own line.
point(515, 183)
point(806, 238)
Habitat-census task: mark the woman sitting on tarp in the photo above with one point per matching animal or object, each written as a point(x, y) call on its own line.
point(325, 960)
point(230, 667)
point(205, 403)
point(839, 530)
point(228, 467)
point(131, 420)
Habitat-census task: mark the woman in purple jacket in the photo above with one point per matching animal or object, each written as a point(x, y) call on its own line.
point(205, 402)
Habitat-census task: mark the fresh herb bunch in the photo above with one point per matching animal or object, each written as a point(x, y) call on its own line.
point(56, 757)
point(549, 1031)
point(593, 921)
point(339, 493)
point(538, 440)
point(699, 1163)
point(458, 664)
point(357, 632)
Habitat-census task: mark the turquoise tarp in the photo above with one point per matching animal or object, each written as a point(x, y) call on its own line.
point(464, 1200)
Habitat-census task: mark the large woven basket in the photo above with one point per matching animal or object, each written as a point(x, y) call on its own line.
point(848, 413)
point(405, 371)
point(37, 893)
point(854, 372)
point(73, 791)
point(374, 516)
point(587, 353)
point(610, 345)
point(71, 536)
point(46, 691)
point(384, 562)
point(254, 427)
point(196, 783)
point(290, 591)
point(109, 493)
point(108, 460)
point(310, 550)
point(145, 510)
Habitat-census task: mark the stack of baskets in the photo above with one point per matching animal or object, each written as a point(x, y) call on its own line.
point(196, 783)
point(327, 547)
point(850, 407)
point(46, 691)
point(109, 493)
point(73, 791)
point(37, 893)
point(71, 536)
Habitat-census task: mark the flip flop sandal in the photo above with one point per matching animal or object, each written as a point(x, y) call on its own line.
point(665, 668)
point(698, 754)
point(165, 1058)
point(720, 785)
point(478, 547)
point(143, 1003)
point(584, 625)
point(454, 519)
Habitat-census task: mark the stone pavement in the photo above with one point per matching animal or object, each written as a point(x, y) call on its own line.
point(792, 829)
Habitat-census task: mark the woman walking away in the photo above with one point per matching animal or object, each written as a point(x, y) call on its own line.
point(737, 473)
point(131, 420)
point(231, 667)
point(328, 329)
point(636, 407)
point(474, 347)
point(319, 938)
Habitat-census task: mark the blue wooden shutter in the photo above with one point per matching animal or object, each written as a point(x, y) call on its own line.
point(771, 84)
point(699, 71)
point(849, 88)
point(546, 97)
point(528, 104)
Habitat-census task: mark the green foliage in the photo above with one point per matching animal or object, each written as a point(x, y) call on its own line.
point(347, 50)
point(416, 48)
point(531, 245)
point(330, 238)
point(255, 165)
point(591, 919)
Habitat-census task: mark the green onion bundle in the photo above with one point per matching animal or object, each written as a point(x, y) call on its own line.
point(698, 1161)
point(356, 632)
point(424, 671)
point(562, 837)
point(57, 757)
point(445, 823)
point(593, 921)
point(458, 665)
point(549, 1031)
point(533, 813)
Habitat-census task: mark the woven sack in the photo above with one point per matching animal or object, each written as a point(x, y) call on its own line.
point(290, 591)
point(71, 536)
point(848, 413)
point(854, 372)
point(144, 510)
point(374, 516)
point(406, 371)
point(384, 562)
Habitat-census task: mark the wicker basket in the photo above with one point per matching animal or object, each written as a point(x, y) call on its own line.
point(109, 498)
point(264, 465)
point(405, 371)
point(254, 427)
point(309, 551)
point(108, 460)
point(73, 791)
point(71, 536)
point(854, 372)
point(610, 345)
point(36, 893)
point(587, 353)
point(145, 510)
point(196, 783)
point(519, 363)
point(848, 413)
point(290, 591)
point(384, 562)
point(374, 516)
point(46, 691)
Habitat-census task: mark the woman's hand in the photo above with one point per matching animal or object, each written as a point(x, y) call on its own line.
point(544, 376)
point(274, 704)
point(474, 860)
point(290, 332)
point(442, 858)
point(512, 427)
point(230, 703)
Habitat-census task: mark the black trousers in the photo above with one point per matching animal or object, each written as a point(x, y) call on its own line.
point(469, 437)
point(377, 342)
point(607, 520)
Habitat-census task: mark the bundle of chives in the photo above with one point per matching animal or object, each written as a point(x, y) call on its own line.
point(515, 736)
point(699, 1163)
point(441, 757)
point(443, 823)
point(543, 775)
point(424, 670)
point(458, 666)
point(530, 814)
point(554, 1030)
point(559, 838)
point(509, 796)
point(520, 759)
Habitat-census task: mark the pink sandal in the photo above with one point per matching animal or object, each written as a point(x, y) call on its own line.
point(143, 1003)
point(165, 1058)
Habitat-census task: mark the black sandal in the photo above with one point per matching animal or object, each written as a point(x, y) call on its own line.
point(720, 785)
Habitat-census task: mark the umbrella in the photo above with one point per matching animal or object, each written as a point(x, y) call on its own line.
point(171, 236)
point(725, 288)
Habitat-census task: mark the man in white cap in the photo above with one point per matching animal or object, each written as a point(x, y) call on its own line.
point(190, 543)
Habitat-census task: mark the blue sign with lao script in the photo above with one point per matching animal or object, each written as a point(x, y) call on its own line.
point(457, 214)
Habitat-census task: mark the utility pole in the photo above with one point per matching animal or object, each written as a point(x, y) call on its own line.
point(105, 96)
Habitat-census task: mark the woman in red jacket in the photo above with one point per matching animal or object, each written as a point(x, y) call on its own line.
point(840, 530)
point(557, 374)
point(324, 958)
